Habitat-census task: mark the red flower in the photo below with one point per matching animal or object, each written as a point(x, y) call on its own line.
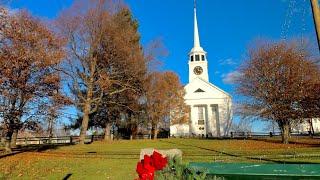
point(147, 166)
point(147, 161)
point(159, 162)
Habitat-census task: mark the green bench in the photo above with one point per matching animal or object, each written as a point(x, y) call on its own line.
point(256, 171)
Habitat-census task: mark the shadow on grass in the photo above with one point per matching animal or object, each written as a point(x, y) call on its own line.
point(315, 143)
point(239, 156)
point(67, 176)
point(32, 148)
point(278, 141)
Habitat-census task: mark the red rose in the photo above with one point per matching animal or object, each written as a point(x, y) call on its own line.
point(147, 166)
point(159, 162)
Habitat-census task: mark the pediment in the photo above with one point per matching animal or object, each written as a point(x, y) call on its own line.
point(200, 88)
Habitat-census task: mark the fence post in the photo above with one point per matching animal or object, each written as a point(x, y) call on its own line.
point(92, 136)
point(26, 141)
point(70, 139)
point(231, 134)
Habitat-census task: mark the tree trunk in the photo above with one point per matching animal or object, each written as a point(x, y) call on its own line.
point(14, 138)
point(107, 134)
point(155, 132)
point(15, 131)
point(50, 130)
point(2, 140)
point(8, 141)
point(285, 133)
point(7, 146)
point(85, 121)
point(134, 131)
point(311, 127)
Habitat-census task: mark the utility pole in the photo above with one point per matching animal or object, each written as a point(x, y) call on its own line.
point(316, 18)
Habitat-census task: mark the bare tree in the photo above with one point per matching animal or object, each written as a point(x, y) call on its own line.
point(275, 81)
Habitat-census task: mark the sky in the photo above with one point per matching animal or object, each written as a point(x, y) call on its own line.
point(227, 29)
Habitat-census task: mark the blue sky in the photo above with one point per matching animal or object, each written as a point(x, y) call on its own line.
point(226, 28)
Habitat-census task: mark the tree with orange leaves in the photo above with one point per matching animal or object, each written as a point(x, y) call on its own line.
point(105, 58)
point(277, 82)
point(164, 100)
point(29, 54)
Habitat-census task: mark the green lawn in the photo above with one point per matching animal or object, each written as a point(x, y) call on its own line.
point(117, 160)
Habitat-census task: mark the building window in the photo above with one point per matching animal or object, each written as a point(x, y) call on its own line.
point(202, 57)
point(197, 58)
point(200, 116)
point(199, 90)
point(191, 58)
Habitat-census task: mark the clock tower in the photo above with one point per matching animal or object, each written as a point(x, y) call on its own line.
point(198, 64)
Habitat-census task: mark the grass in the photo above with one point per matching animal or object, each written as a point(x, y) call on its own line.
point(117, 160)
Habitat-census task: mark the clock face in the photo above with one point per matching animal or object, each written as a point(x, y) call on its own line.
point(198, 70)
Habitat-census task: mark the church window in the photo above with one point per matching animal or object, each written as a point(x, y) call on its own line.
point(197, 58)
point(199, 90)
point(200, 116)
point(191, 58)
point(202, 57)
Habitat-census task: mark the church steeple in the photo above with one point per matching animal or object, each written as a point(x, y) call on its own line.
point(196, 39)
point(198, 66)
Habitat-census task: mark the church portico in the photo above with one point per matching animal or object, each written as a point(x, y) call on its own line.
point(210, 107)
point(205, 119)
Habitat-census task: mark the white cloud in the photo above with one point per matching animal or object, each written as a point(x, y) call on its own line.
point(228, 62)
point(231, 77)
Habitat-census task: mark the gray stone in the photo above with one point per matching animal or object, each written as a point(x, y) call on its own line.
point(167, 153)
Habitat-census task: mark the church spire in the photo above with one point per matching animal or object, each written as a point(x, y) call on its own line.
point(196, 39)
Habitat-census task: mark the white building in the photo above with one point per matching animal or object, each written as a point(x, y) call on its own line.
point(210, 106)
point(305, 126)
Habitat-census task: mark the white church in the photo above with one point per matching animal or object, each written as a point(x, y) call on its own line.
point(210, 107)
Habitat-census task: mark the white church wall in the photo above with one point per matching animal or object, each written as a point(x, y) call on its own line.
point(193, 123)
point(212, 125)
point(316, 125)
point(305, 127)
point(179, 130)
point(224, 113)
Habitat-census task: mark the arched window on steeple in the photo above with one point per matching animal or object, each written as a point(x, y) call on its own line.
point(197, 57)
